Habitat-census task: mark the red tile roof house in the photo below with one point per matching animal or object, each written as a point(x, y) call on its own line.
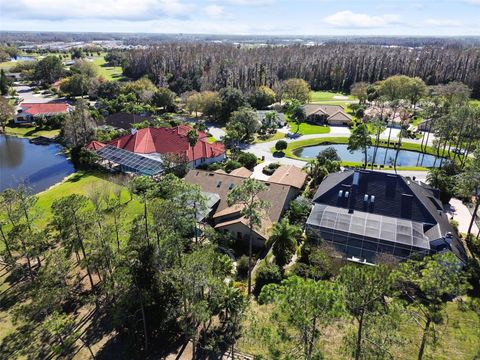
point(28, 112)
point(153, 142)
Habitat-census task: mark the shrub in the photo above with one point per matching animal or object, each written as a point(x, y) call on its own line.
point(242, 267)
point(248, 160)
point(231, 165)
point(266, 274)
point(281, 145)
point(270, 168)
point(454, 224)
point(214, 167)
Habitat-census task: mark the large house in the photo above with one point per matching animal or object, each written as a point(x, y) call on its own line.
point(365, 214)
point(327, 114)
point(30, 112)
point(217, 185)
point(149, 144)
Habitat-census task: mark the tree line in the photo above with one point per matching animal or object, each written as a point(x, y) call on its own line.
point(203, 66)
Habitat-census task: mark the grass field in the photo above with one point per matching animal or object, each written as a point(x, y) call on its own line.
point(308, 129)
point(332, 98)
point(30, 132)
point(106, 71)
point(79, 183)
point(458, 336)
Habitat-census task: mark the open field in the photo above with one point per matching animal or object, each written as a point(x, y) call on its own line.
point(106, 71)
point(332, 98)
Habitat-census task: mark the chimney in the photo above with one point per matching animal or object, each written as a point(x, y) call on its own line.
point(391, 186)
point(406, 206)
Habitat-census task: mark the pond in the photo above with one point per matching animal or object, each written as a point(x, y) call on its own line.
point(23, 58)
point(38, 166)
point(384, 156)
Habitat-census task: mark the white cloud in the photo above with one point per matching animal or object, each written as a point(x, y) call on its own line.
point(114, 9)
point(247, 2)
point(215, 11)
point(443, 22)
point(349, 19)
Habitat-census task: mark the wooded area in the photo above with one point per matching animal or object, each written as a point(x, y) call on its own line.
point(204, 66)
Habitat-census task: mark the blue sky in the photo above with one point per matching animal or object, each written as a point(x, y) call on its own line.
point(269, 17)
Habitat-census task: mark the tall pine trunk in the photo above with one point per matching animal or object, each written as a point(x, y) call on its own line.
point(424, 339)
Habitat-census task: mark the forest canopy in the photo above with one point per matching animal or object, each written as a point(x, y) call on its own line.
point(204, 66)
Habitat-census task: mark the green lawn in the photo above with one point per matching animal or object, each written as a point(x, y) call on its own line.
point(458, 336)
point(82, 183)
point(79, 183)
point(30, 132)
point(106, 71)
point(332, 98)
point(8, 64)
point(307, 129)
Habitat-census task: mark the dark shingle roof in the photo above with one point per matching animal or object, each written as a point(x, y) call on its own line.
point(123, 120)
point(393, 196)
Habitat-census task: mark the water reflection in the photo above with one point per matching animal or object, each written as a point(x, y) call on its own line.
point(38, 166)
point(11, 152)
point(380, 156)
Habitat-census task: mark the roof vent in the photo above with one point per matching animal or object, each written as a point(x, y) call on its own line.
point(219, 184)
point(340, 193)
point(365, 198)
point(347, 194)
point(372, 199)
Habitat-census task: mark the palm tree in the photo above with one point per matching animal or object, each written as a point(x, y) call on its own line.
point(192, 137)
point(284, 240)
point(316, 170)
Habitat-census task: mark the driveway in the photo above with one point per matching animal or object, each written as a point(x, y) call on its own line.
point(28, 96)
point(462, 214)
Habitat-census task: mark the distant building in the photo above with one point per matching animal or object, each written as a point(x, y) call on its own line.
point(123, 120)
point(152, 143)
point(364, 214)
point(282, 121)
point(227, 218)
point(327, 114)
point(29, 112)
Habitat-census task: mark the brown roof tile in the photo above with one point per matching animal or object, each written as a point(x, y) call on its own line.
point(289, 175)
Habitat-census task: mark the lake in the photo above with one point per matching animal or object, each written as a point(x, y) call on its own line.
point(38, 166)
point(384, 156)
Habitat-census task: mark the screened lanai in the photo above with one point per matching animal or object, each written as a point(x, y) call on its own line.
point(130, 162)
